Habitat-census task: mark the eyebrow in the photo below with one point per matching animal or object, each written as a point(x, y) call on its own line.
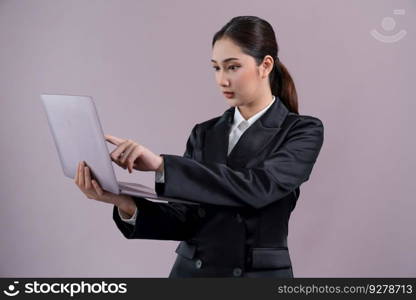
point(226, 60)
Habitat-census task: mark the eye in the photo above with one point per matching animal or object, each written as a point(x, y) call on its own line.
point(233, 67)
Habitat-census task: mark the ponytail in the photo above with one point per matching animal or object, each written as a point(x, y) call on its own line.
point(282, 85)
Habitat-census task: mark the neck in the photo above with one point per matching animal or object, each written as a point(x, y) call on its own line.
point(250, 109)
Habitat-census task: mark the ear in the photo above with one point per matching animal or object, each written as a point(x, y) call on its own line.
point(266, 66)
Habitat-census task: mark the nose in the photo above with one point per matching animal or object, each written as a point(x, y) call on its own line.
point(223, 80)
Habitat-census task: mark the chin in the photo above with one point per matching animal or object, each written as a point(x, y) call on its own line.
point(233, 102)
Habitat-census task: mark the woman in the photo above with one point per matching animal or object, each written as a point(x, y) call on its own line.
point(244, 168)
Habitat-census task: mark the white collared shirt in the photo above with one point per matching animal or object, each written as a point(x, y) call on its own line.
point(239, 126)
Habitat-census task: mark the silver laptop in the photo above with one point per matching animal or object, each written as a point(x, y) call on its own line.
point(78, 136)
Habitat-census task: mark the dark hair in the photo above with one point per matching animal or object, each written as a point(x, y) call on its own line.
point(256, 38)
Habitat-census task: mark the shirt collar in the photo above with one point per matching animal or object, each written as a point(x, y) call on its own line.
point(238, 118)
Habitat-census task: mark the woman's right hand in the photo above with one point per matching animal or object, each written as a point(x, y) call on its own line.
point(92, 190)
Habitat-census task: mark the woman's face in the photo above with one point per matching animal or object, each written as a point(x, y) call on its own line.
point(235, 72)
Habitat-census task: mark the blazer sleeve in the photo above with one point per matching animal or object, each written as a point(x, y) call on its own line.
point(161, 221)
point(216, 183)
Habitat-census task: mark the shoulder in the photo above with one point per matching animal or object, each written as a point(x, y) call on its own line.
point(297, 121)
point(303, 127)
point(208, 124)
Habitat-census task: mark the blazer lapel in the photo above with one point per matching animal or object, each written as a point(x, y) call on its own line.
point(253, 140)
point(216, 138)
point(259, 134)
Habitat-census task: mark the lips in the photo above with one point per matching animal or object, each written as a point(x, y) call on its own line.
point(229, 95)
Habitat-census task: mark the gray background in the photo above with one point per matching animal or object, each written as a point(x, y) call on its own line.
point(147, 65)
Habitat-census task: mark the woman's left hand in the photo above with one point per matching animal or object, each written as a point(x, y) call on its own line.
point(132, 155)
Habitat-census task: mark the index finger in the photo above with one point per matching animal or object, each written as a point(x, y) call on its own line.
point(113, 140)
point(76, 173)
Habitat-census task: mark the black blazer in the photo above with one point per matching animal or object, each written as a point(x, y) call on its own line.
point(240, 227)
